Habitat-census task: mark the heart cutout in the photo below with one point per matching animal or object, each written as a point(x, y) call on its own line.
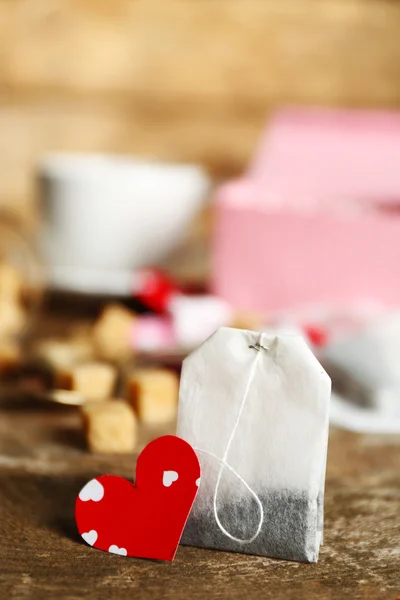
point(92, 491)
point(90, 537)
point(146, 519)
point(169, 477)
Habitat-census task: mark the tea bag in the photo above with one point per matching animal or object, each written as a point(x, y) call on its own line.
point(255, 408)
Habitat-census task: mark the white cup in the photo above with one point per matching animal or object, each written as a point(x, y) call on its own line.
point(105, 216)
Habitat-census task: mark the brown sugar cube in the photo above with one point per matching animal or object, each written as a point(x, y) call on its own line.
point(10, 356)
point(111, 333)
point(110, 427)
point(12, 318)
point(154, 394)
point(82, 346)
point(94, 380)
point(57, 352)
point(11, 283)
point(59, 357)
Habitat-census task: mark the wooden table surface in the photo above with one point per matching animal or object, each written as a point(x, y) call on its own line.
point(43, 465)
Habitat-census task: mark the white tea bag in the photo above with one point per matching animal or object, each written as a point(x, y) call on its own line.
point(255, 408)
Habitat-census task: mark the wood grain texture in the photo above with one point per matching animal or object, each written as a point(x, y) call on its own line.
point(232, 50)
point(192, 81)
point(43, 465)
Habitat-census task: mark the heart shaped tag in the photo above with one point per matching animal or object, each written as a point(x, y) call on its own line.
point(146, 519)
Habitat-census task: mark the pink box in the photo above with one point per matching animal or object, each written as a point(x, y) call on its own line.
point(316, 219)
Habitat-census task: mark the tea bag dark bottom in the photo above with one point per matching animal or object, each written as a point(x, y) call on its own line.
point(291, 527)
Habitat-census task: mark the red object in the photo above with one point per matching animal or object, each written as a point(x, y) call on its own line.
point(146, 519)
point(317, 335)
point(155, 290)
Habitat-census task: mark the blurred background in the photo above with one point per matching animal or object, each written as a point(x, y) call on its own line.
point(179, 81)
point(167, 168)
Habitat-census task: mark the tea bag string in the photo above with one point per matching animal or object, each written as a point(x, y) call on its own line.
point(223, 462)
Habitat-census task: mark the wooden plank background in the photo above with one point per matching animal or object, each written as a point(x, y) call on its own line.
point(180, 79)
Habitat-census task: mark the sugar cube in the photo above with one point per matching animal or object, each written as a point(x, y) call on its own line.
point(110, 427)
point(94, 380)
point(111, 333)
point(153, 394)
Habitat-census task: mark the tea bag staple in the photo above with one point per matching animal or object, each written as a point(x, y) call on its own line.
point(255, 408)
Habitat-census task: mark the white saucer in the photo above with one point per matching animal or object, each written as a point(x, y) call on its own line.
point(346, 415)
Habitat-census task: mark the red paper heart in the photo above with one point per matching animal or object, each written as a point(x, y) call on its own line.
point(146, 519)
